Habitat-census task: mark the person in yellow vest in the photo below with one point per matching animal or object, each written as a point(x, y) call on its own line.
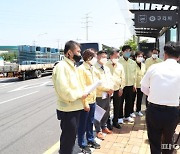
point(153, 59)
point(104, 92)
point(70, 95)
point(117, 72)
point(87, 76)
point(129, 66)
point(140, 71)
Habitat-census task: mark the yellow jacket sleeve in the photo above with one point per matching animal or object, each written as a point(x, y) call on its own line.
point(147, 64)
point(136, 78)
point(83, 78)
point(123, 79)
point(63, 84)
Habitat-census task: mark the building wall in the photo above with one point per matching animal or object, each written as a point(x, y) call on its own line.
point(161, 46)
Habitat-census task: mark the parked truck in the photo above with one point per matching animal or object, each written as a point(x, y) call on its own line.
point(33, 61)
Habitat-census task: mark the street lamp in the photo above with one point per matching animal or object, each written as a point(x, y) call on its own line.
point(124, 25)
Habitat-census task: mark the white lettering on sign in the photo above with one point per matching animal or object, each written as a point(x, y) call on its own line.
point(159, 18)
point(142, 19)
point(169, 18)
point(152, 18)
point(164, 18)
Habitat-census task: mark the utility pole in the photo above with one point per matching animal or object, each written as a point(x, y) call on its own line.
point(34, 43)
point(178, 24)
point(87, 24)
point(58, 42)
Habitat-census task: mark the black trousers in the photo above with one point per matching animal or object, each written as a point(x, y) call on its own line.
point(116, 106)
point(161, 124)
point(147, 103)
point(127, 96)
point(139, 95)
point(69, 125)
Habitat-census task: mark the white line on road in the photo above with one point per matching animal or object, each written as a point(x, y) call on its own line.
point(4, 84)
point(18, 97)
point(30, 86)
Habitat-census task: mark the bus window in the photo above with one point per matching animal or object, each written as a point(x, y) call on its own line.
point(95, 46)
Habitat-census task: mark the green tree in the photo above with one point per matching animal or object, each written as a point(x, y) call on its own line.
point(144, 41)
point(132, 43)
point(10, 56)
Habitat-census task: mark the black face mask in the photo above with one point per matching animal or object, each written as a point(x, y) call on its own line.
point(77, 58)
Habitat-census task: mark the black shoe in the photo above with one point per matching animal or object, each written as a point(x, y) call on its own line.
point(85, 149)
point(116, 125)
point(110, 127)
point(94, 145)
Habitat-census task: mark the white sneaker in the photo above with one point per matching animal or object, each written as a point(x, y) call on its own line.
point(120, 121)
point(140, 114)
point(133, 115)
point(129, 119)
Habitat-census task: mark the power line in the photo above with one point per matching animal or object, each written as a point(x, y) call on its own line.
point(87, 24)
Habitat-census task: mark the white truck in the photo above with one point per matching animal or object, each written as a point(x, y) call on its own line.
point(25, 71)
point(43, 63)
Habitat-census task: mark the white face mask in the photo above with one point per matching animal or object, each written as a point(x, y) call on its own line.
point(103, 61)
point(140, 59)
point(115, 60)
point(93, 61)
point(154, 56)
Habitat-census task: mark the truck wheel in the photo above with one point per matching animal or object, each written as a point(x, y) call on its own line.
point(20, 78)
point(38, 73)
point(24, 76)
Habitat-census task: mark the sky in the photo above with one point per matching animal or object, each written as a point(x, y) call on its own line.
point(51, 23)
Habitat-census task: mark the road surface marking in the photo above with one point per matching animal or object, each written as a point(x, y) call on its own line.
point(4, 84)
point(18, 97)
point(30, 86)
point(53, 149)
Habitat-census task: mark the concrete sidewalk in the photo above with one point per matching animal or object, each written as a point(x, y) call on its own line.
point(131, 138)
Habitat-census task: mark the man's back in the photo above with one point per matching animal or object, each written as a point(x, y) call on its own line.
point(164, 83)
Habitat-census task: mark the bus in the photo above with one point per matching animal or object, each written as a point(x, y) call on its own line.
point(95, 45)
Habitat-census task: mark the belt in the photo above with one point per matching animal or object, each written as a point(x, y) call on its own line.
point(162, 106)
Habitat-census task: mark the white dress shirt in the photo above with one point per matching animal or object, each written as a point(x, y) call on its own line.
point(162, 83)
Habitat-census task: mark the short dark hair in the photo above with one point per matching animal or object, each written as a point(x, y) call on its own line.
point(125, 47)
point(93, 50)
point(172, 49)
point(155, 49)
point(101, 52)
point(70, 45)
point(112, 52)
point(88, 54)
point(116, 50)
point(138, 53)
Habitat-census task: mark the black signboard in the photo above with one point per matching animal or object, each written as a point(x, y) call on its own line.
point(164, 2)
point(155, 19)
point(146, 47)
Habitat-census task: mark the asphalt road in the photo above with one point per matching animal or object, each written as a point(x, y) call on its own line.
point(28, 123)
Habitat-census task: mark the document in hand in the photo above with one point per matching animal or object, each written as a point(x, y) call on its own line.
point(99, 113)
point(92, 87)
